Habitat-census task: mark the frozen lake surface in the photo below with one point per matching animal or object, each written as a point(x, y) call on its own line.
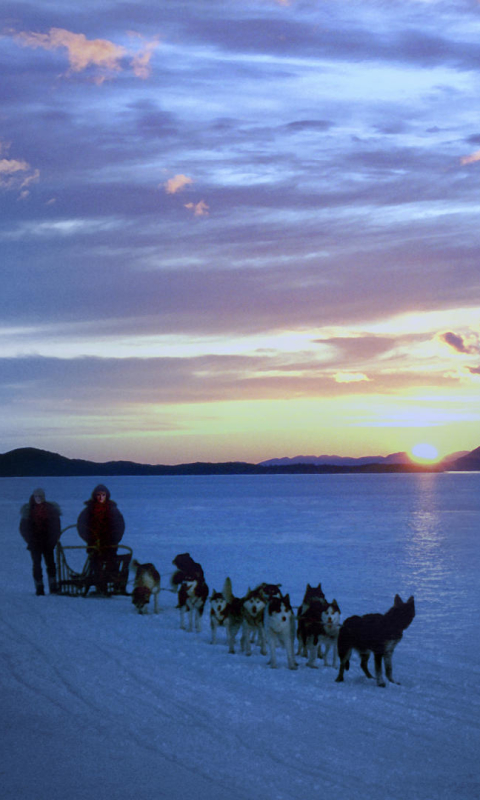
point(99, 701)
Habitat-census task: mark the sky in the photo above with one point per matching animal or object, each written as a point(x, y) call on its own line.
point(239, 229)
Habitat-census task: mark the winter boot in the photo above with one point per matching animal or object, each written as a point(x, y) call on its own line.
point(39, 589)
point(52, 585)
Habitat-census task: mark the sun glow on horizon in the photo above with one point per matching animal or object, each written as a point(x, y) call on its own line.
point(424, 453)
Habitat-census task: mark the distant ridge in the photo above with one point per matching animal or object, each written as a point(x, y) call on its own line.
point(33, 462)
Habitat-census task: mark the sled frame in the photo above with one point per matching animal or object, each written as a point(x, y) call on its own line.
point(78, 584)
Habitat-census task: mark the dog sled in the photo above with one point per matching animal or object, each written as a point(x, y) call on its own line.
point(110, 571)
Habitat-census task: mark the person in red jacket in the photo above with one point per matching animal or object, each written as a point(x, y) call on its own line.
point(101, 526)
point(40, 527)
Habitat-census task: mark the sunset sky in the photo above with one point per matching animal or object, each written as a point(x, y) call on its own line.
point(239, 229)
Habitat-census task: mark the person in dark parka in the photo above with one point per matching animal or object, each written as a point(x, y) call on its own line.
point(40, 527)
point(101, 526)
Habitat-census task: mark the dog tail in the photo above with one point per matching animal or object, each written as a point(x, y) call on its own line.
point(227, 590)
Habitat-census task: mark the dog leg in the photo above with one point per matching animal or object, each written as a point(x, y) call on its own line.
point(263, 644)
point(198, 621)
point(290, 647)
point(273, 651)
point(312, 650)
point(214, 631)
point(388, 667)
point(378, 670)
point(344, 665)
point(364, 664)
point(182, 617)
point(247, 645)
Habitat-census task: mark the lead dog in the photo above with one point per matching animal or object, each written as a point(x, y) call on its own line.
point(146, 584)
point(279, 622)
point(375, 633)
point(254, 604)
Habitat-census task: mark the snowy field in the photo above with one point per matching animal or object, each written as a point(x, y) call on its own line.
point(100, 702)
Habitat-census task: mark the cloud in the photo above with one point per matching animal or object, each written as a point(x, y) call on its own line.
point(470, 159)
point(199, 209)
point(16, 174)
point(457, 342)
point(141, 61)
point(350, 377)
point(84, 53)
point(177, 183)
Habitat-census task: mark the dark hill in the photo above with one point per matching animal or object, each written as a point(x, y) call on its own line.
point(32, 462)
point(467, 463)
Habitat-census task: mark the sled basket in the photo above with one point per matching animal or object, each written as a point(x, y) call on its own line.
point(108, 572)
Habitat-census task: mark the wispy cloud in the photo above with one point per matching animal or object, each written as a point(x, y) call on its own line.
point(83, 53)
point(16, 174)
point(471, 159)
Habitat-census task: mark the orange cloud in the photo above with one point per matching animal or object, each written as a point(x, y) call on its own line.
point(177, 183)
point(199, 209)
point(141, 62)
point(17, 174)
point(470, 159)
point(84, 53)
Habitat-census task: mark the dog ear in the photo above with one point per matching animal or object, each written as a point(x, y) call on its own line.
point(398, 601)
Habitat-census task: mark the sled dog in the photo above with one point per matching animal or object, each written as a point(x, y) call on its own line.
point(279, 622)
point(218, 613)
point(192, 596)
point(233, 614)
point(254, 604)
point(375, 633)
point(329, 635)
point(186, 569)
point(146, 584)
point(309, 617)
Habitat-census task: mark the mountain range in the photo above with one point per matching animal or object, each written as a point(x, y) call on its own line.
point(31, 462)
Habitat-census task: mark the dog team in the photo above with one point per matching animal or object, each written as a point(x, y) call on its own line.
point(265, 617)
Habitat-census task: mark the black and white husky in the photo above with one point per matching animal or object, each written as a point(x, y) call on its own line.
point(218, 613)
point(279, 624)
point(329, 635)
point(192, 596)
point(146, 584)
point(254, 604)
point(375, 633)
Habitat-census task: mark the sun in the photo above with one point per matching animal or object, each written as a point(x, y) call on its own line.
point(424, 452)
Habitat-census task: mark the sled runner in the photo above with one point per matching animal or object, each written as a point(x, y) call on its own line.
point(108, 570)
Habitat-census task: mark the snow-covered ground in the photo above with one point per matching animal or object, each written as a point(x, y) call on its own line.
point(100, 702)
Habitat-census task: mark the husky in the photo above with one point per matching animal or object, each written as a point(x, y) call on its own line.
point(233, 614)
point(309, 621)
point(192, 596)
point(279, 622)
point(186, 569)
point(254, 604)
point(146, 583)
point(269, 590)
point(218, 613)
point(329, 635)
point(376, 633)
